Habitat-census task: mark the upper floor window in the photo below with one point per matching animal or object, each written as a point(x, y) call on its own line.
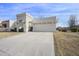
point(4, 25)
point(20, 21)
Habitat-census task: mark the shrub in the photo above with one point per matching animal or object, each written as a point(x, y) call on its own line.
point(73, 30)
point(78, 30)
point(64, 30)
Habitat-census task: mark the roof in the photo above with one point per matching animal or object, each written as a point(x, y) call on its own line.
point(27, 14)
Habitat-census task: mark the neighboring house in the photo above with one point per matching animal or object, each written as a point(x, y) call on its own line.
point(4, 25)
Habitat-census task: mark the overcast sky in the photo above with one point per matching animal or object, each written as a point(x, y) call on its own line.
point(61, 10)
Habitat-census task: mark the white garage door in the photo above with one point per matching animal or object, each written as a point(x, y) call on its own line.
point(44, 28)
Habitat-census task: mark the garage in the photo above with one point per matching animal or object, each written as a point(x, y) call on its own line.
point(45, 25)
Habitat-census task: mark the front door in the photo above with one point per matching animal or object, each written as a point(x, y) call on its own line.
point(21, 30)
point(30, 28)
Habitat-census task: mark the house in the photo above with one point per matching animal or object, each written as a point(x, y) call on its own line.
point(25, 23)
point(4, 25)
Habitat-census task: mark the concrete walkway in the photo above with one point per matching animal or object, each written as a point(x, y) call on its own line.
point(28, 44)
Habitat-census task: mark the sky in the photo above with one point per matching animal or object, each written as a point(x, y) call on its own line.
point(37, 10)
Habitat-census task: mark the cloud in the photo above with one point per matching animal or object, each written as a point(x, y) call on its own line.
point(9, 10)
point(38, 9)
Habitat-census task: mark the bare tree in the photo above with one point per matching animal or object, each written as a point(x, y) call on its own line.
point(72, 22)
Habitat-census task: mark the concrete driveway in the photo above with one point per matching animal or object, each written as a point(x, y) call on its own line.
point(28, 44)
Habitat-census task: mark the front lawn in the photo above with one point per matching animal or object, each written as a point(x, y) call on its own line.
point(66, 43)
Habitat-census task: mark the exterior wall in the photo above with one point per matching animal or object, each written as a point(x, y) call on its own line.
point(23, 21)
point(12, 24)
point(29, 19)
point(5, 26)
point(45, 25)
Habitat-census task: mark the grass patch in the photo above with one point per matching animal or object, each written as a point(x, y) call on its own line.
point(8, 34)
point(66, 43)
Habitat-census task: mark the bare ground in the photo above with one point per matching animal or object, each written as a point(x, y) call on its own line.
point(66, 44)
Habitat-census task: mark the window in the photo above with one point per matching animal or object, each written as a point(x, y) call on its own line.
point(4, 25)
point(20, 21)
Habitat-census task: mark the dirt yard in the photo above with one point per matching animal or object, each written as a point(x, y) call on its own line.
point(66, 44)
point(7, 34)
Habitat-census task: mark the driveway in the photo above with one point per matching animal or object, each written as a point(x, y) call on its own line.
point(28, 44)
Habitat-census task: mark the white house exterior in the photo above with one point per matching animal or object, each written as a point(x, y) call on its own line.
point(25, 23)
